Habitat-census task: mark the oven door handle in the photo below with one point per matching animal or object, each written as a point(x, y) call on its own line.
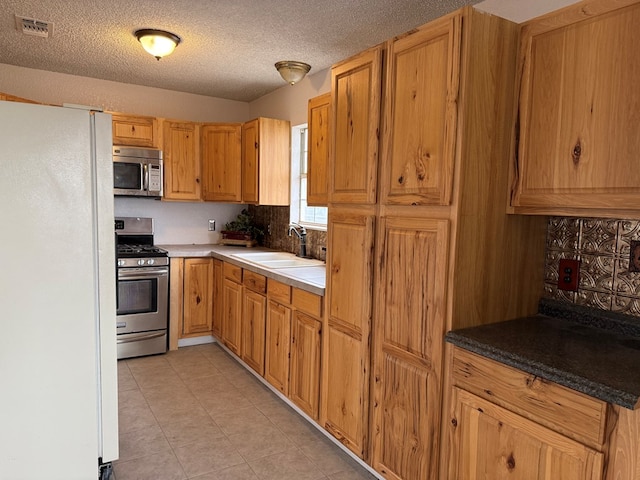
point(142, 273)
point(142, 336)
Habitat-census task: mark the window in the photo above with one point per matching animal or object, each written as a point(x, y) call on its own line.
point(310, 217)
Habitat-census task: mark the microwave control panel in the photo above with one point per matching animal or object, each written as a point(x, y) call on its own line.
point(155, 178)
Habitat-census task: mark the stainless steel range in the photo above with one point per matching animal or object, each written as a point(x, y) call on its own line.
point(143, 289)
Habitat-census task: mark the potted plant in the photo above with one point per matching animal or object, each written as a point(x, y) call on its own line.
point(242, 230)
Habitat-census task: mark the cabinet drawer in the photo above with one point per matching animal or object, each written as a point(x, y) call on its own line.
point(564, 410)
point(307, 302)
point(278, 291)
point(254, 281)
point(232, 272)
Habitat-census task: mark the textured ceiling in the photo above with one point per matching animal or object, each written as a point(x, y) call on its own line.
point(228, 47)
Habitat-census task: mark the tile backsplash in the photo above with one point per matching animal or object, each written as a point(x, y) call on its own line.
point(276, 220)
point(603, 247)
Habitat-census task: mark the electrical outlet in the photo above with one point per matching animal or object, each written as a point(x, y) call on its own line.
point(212, 225)
point(568, 274)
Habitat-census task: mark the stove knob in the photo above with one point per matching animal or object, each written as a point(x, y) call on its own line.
point(120, 263)
point(141, 262)
point(151, 261)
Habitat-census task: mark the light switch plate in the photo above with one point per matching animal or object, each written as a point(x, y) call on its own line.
point(212, 225)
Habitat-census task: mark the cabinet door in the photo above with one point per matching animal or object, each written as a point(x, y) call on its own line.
point(346, 335)
point(409, 331)
point(250, 162)
point(221, 162)
point(355, 104)
point(266, 161)
point(198, 301)
point(578, 115)
point(492, 442)
point(218, 308)
point(232, 315)
point(253, 330)
point(318, 150)
point(304, 383)
point(135, 131)
point(277, 348)
point(181, 161)
point(421, 98)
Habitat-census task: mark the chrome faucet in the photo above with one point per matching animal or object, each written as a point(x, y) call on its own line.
point(301, 233)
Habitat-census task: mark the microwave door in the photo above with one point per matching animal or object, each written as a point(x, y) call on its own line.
point(128, 178)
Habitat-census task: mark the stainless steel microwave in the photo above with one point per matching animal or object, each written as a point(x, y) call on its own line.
point(137, 172)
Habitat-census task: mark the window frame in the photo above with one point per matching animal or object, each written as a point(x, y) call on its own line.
point(299, 144)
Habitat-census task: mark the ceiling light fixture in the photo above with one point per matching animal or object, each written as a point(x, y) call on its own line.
point(292, 72)
point(157, 42)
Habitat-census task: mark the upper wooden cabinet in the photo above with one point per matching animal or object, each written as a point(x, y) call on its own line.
point(355, 102)
point(266, 161)
point(12, 98)
point(578, 112)
point(221, 162)
point(135, 130)
point(181, 150)
point(319, 115)
point(420, 114)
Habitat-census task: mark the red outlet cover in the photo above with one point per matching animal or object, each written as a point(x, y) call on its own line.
point(568, 274)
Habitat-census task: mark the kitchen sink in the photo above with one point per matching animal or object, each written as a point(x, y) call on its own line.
point(276, 260)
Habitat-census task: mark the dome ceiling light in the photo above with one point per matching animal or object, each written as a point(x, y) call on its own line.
point(158, 43)
point(292, 72)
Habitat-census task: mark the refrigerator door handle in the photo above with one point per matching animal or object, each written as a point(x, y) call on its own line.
point(142, 336)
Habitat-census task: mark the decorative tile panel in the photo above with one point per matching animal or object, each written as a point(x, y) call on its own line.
point(598, 236)
point(596, 273)
point(603, 247)
point(274, 221)
point(563, 234)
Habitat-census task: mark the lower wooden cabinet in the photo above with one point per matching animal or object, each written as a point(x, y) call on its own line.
point(347, 327)
point(192, 299)
point(254, 309)
point(407, 354)
point(231, 334)
point(198, 299)
point(277, 346)
point(505, 423)
point(304, 377)
point(493, 442)
point(218, 310)
point(254, 312)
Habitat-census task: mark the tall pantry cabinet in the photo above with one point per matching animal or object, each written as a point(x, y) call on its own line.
point(419, 241)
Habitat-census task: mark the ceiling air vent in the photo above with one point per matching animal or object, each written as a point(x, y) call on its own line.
point(31, 26)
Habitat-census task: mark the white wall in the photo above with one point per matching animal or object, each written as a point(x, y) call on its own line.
point(290, 101)
point(58, 88)
point(179, 222)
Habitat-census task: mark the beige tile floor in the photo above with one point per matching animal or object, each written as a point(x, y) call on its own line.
point(197, 414)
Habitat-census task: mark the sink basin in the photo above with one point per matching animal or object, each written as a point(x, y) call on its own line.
point(276, 259)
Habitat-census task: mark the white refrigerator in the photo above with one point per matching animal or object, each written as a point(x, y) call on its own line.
point(58, 367)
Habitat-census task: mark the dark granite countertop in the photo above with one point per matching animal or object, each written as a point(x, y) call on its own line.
point(593, 352)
